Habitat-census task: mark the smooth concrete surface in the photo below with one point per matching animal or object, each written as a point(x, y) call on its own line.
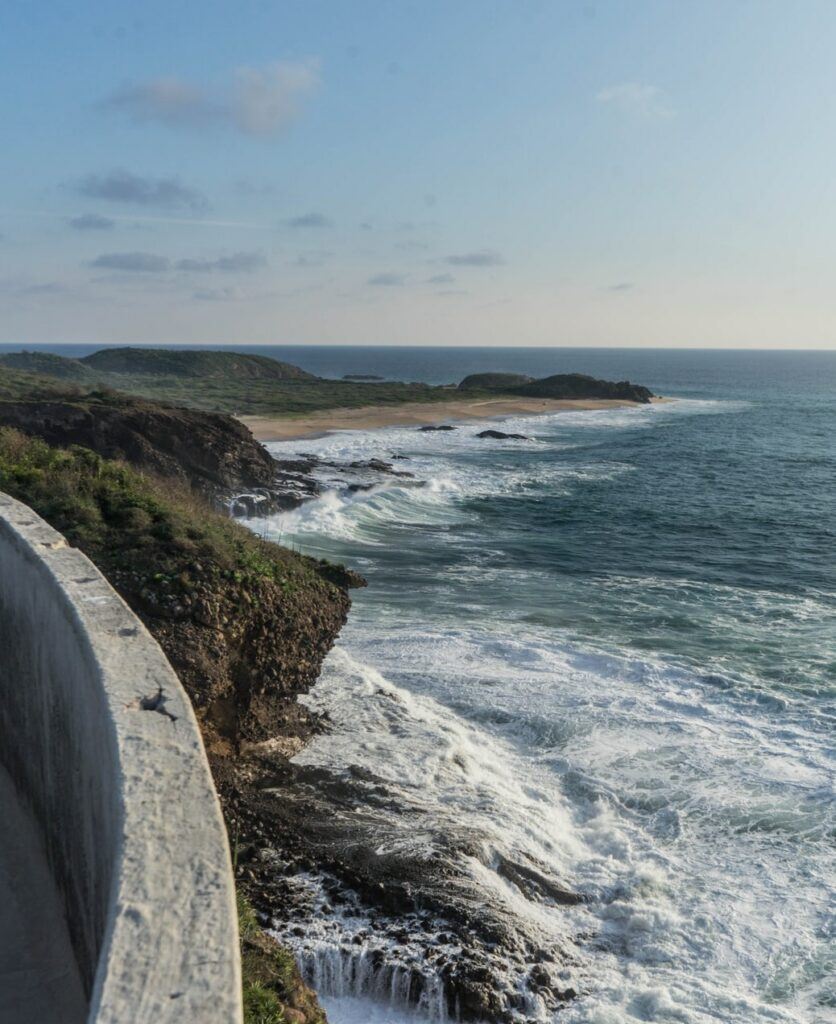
point(39, 979)
point(101, 744)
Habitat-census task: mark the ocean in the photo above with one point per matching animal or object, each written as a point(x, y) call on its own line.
point(610, 650)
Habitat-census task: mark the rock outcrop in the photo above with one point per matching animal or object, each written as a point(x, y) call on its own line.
point(559, 385)
point(493, 381)
point(213, 453)
point(579, 385)
point(499, 435)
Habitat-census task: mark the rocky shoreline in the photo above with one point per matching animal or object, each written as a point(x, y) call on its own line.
point(362, 915)
point(330, 859)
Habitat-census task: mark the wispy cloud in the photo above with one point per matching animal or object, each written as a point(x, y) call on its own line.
point(218, 294)
point(258, 102)
point(132, 262)
point(622, 286)
point(483, 258)
point(120, 186)
point(239, 262)
point(45, 288)
point(312, 258)
point(90, 222)
point(637, 100)
point(441, 279)
point(387, 280)
point(308, 220)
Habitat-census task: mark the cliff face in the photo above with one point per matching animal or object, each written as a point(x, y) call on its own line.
point(211, 452)
point(245, 623)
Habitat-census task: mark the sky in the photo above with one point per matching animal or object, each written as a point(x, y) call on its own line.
point(466, 172)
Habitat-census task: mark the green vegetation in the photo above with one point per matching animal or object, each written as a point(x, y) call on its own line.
point(159, 362)
point(48, 364)
point(280, 398)
point(245, 384)
point(19, 386)
point(125, 520)
point(239, 384)
point(273, 990)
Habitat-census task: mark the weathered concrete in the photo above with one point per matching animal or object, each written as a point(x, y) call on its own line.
point(116, 778)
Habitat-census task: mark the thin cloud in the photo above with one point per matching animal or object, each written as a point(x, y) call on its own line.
point(441, 279)
point(217, 294)
point(46, 288)
point(308, 220)
point(636, 100)
point(386, 280)
point(239, 262)
point(132, 262)
point(622, 286)
point(246, 187)
point(120, 186)
point(90, 222)
point(259, 102)
point(483, 258)
point(313, 258)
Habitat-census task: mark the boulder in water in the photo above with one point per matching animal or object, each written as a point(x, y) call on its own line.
point(500, 436)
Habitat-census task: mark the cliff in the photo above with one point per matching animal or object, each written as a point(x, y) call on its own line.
point(212, 453)
point(244, 623)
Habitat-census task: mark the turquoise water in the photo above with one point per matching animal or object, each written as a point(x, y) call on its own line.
point(624, 631)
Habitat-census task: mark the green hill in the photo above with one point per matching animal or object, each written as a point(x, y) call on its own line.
point(157, 362)
point(49, 365)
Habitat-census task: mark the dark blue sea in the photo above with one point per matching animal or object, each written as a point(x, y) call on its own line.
point(610, 649)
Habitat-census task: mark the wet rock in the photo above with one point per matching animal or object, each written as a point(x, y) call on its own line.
point(378, 466)
point(421, 927)
point(500, 436)
point(443, 426)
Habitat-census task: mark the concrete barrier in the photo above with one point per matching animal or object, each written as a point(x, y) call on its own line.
point(102, 745)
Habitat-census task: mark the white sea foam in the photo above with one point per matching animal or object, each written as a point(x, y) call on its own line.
point(651, 802)
point(696, 810)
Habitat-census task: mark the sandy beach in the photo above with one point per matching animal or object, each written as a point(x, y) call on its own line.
point(413, 414)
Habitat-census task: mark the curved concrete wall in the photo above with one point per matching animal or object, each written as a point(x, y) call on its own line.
point(117, 778)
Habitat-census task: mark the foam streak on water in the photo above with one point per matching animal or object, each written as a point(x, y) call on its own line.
point(609, 650)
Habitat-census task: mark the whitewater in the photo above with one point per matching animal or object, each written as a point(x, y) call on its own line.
point(608, 650)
